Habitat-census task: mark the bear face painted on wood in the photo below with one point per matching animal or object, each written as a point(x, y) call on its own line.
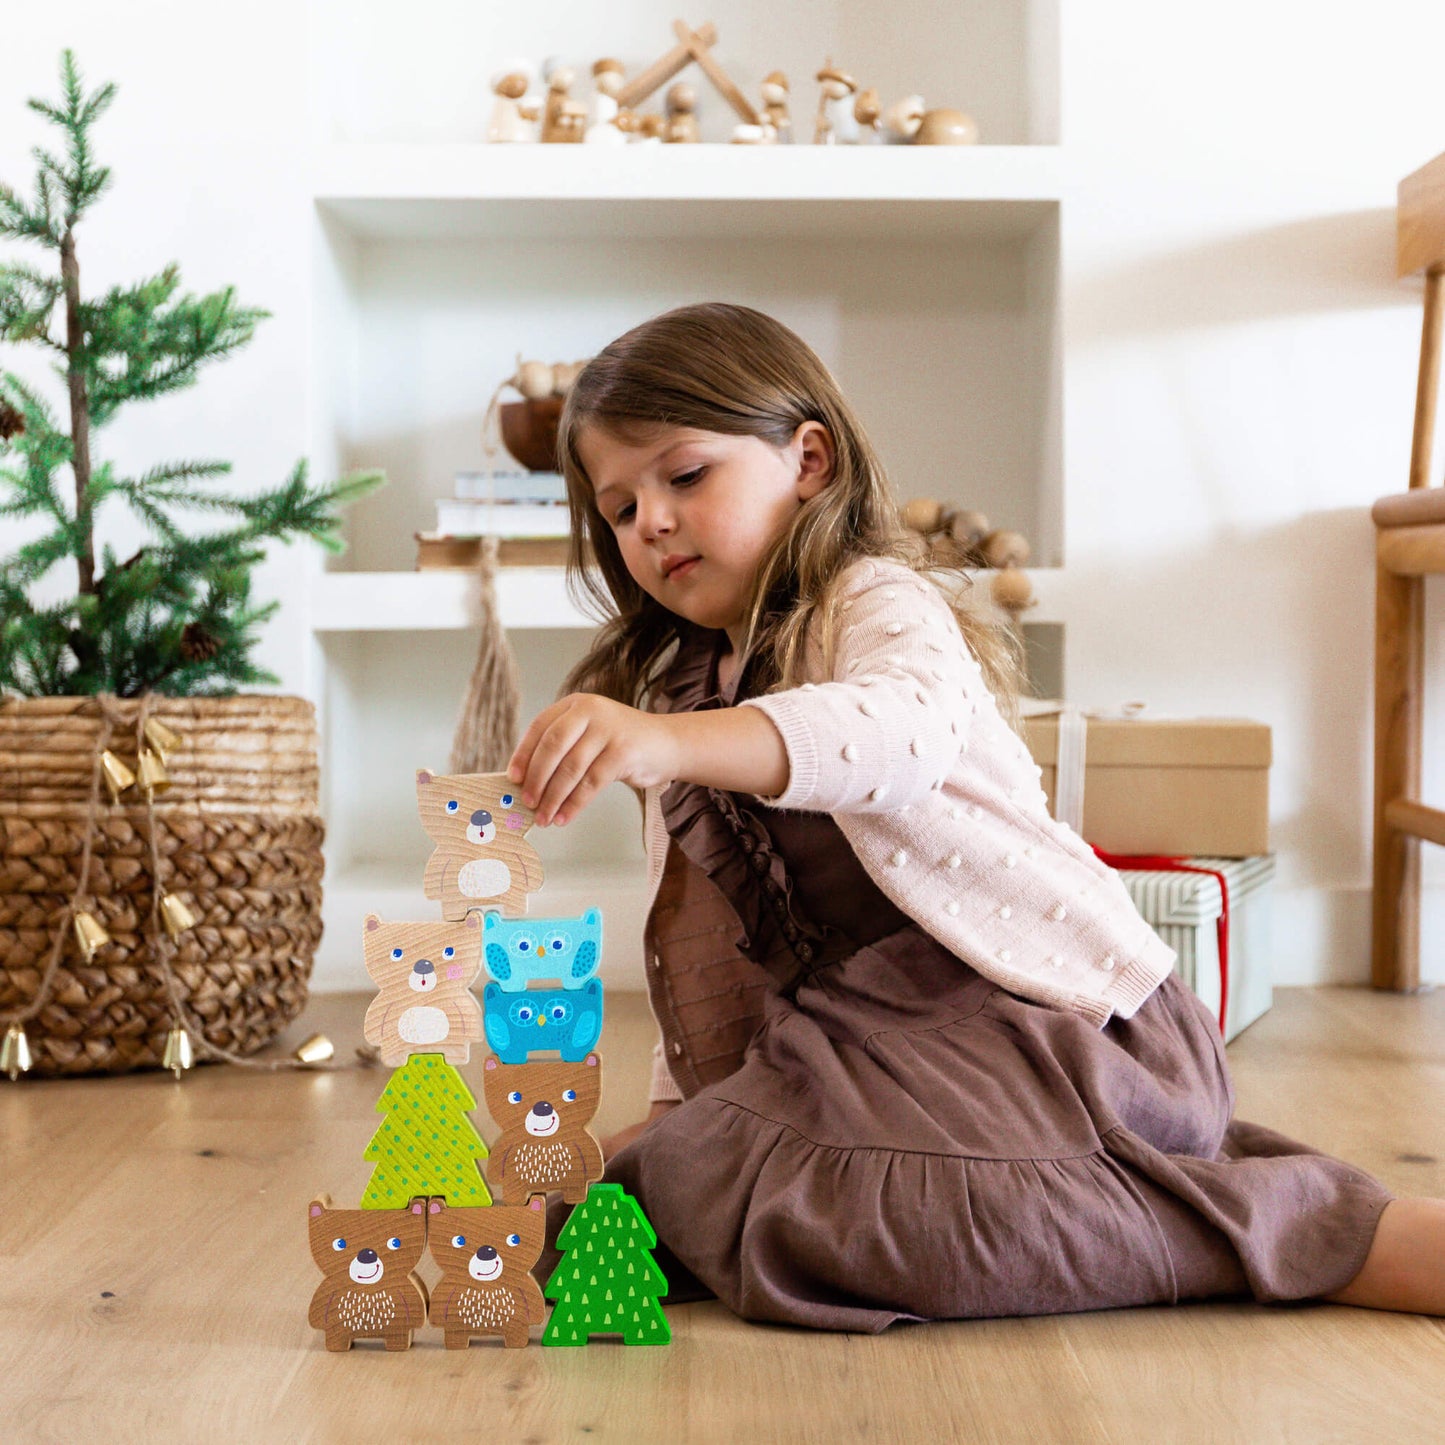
point(486, 1257)
point(424, 972)
point(367, 1257)
point(482, 858)
point(543, 1110)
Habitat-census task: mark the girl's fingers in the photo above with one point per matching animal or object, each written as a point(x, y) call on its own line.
point(567, 776)
point(522, 754)
point(551, 746)
point(598, 775)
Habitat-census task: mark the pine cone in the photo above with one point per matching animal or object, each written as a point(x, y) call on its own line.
point(197, 644)
point(12, 423)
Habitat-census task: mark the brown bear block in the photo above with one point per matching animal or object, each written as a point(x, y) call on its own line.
point(486, 1257)
point(543, 1110)
point(367, 1257)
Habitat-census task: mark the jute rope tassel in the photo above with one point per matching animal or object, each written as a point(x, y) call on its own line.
point(491, 712)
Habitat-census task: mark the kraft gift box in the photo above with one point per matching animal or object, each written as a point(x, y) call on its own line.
point(1177, 786)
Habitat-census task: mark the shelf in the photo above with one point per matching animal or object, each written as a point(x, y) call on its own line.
point(441, 601)
point(442, 192)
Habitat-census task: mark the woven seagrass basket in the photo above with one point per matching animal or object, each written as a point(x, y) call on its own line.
point(238, 837)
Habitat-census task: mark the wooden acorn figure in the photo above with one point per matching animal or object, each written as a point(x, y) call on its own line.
point(486, 1257)
point(482, 858)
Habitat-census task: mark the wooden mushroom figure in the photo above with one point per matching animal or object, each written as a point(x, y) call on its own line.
point(835, 124)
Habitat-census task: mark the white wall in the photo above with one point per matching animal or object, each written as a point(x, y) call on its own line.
point(1240, 370)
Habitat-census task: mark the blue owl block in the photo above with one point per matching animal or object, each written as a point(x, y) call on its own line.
point(537, 1020)
point(520, 951)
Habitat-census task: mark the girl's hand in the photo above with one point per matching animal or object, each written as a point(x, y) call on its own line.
point(580, 744)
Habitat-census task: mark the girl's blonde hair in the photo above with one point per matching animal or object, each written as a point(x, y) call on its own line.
point(729, 369)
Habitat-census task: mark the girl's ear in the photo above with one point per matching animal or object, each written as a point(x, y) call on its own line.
point(812, 445)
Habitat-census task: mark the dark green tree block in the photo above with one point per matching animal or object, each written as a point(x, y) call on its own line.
point(607, 1282)
point(426, 1145)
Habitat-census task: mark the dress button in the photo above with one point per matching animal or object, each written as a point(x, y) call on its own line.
point(747, 842)
point(804, 952)
point(760, 863)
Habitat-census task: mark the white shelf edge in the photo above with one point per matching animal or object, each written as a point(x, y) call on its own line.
point(440, 601)
point(397, 172)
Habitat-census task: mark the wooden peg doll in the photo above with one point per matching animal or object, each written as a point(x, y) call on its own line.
point(835, 123)
point(571, 128)
point(510, 121)
point(608, 77)
point(775, 107)
point(682, 127)
point(559, 85)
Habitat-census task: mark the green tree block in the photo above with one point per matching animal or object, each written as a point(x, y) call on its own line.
point(607, 1282)
point(426, 1145)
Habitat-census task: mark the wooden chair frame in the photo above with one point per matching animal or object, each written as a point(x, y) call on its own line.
point(1409, 546)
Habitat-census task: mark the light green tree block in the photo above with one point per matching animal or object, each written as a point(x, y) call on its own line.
point(607, 1281)
point(426, 1145)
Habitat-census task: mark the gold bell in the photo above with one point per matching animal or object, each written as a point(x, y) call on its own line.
point(152, 773)
point(178, 1054)
point(160, 737)
point(89, 934)
point(177, 916)
point(316, 1050)
point(118, 777)
point(15, 1052)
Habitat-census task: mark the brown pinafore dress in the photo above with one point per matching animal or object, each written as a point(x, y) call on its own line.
point(903, 1140)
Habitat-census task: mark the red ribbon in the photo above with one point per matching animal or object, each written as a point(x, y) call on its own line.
point(1151, 863)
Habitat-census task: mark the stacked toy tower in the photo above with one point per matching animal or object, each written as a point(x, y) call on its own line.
point(541, 1015)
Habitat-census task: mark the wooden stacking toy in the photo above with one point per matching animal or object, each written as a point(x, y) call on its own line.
point(541, 1015)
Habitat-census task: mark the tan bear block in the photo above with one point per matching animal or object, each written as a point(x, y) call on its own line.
point(486, 1258)
point(425, 973)
point(367, 1258)
point(543, 1110)
point(482, 858)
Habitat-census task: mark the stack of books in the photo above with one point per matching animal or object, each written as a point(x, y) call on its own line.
point(527, 511)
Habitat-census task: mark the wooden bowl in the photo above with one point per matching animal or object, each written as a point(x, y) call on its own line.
point(529, 431)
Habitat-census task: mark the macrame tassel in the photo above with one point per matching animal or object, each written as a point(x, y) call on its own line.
point(487, 730)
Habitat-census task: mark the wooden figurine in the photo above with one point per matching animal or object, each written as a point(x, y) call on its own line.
point(775, 107)
point(835, 124)
point(426, 1144)
point(559, 82)
point(543, 1111)
point(513, 119)
point(607, 1282)
point(902, 119)
point(482, 857)
point(367, 1258)
point(607, 81)
point(425, 973)
point(486, 1257)
point(539, 1020)
point(946, 127)
point(520, 951)
point(682, 128)
point(868, 112)
point(571, 127)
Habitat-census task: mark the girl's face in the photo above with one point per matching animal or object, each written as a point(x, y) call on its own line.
point(694, 511)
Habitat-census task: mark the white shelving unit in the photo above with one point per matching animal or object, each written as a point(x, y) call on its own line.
point(926, 278)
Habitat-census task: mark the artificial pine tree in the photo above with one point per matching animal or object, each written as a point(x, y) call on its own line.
point(177, 616)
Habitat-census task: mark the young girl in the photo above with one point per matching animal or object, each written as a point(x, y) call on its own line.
point(921, 1058)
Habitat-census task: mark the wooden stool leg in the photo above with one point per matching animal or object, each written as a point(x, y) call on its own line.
point(1399, 677)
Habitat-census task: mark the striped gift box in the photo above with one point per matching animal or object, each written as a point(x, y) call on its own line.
point(1184, 908)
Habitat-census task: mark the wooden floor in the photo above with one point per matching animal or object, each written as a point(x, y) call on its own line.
point(154, 1281)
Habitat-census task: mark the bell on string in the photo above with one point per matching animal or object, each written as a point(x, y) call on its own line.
point(177, 916)
point(160, 737)
point(15, 1052)
point(178, 1054)
point(89, 934)
point(316, 1050)
point(152, 773)
point(118, 777)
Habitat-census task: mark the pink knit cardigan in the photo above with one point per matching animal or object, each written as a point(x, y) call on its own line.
point(901, 742)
